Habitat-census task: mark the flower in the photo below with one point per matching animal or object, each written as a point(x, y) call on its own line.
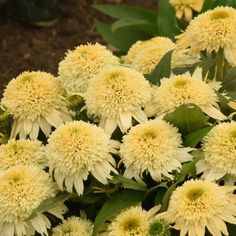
point(159, 227)
point(21, 152)
point(184, 8)
point(74, 226)
point(154, 147)
point(163, 43)
point(184, 89)
point(115, 96)
point(199, 204)
point(219, 152)
point(23, 189)
point(78, 148)
point(145, 55)
point(211, 31)
point(132, 221)
point(80, 65)
point(35, 99)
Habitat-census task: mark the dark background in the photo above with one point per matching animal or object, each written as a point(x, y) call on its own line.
point(25, 47)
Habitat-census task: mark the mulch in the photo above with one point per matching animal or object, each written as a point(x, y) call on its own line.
point(24, 47)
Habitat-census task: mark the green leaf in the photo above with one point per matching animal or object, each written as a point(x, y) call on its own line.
point(208, 4)
point(166, 198)
point(131, 23)
point(229, 81)
point(159, 196)
point(50, 204)
point(195, 137)
point(211, 4)
point(122, 38)
point(232, 95)
point(121, 11)
point(231, 229)
point(152, 191)
point(117, 203)
point(187, 169)
point(166, 20)
point(128, 183)
point(162, 69)
point(187, 118)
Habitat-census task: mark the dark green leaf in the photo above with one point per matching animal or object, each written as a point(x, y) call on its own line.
point(131, 23)
point(208, 4)
point(187, 118)
point(122, 38)
point(50, 203)
point(166, 20)
point(121, 11)
point(232, 95)
point(152, 191)
point(162, 69)
point(160, 194)
point(128, 183)
point(166, 197)
point(187, 170)
point(195, 137)
point(231, 229)
point(229, 81)
point(117, 203)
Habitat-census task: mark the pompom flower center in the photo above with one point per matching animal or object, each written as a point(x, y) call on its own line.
point(195, 194)
point(131, 225)
point(219, 14)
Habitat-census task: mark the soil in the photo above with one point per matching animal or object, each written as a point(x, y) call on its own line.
point(24, 47)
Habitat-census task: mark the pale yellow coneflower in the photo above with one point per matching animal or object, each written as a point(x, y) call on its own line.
point(22, 152)
point(115, 96)
point(212, 31)
point(78, 148)
point(184, 89)
point(23, 189)
point(184, 8)
point(145, 55)
point(35, 99)
point(81, 64)
point(154, 147)
point(74, 226)
point(219, 153)
point(200, 204)
point(132, 221)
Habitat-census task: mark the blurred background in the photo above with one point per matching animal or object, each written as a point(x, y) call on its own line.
point(35, 34)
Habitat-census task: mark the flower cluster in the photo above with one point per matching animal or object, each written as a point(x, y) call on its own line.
point(121, 147)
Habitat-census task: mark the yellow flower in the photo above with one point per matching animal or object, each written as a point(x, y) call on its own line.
point(184, 89)
point(35, 99)
point(23, 189)
point(76, 149)
point(115, 96)
point(80, 65)
point(132, 221)
point(22, 152)
point(184, 8)
point(201, 204)
point(163, 43)
point(154, 147)
point(219, 149)
point(74, 226)
point(145, 55)
point(211, 31)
